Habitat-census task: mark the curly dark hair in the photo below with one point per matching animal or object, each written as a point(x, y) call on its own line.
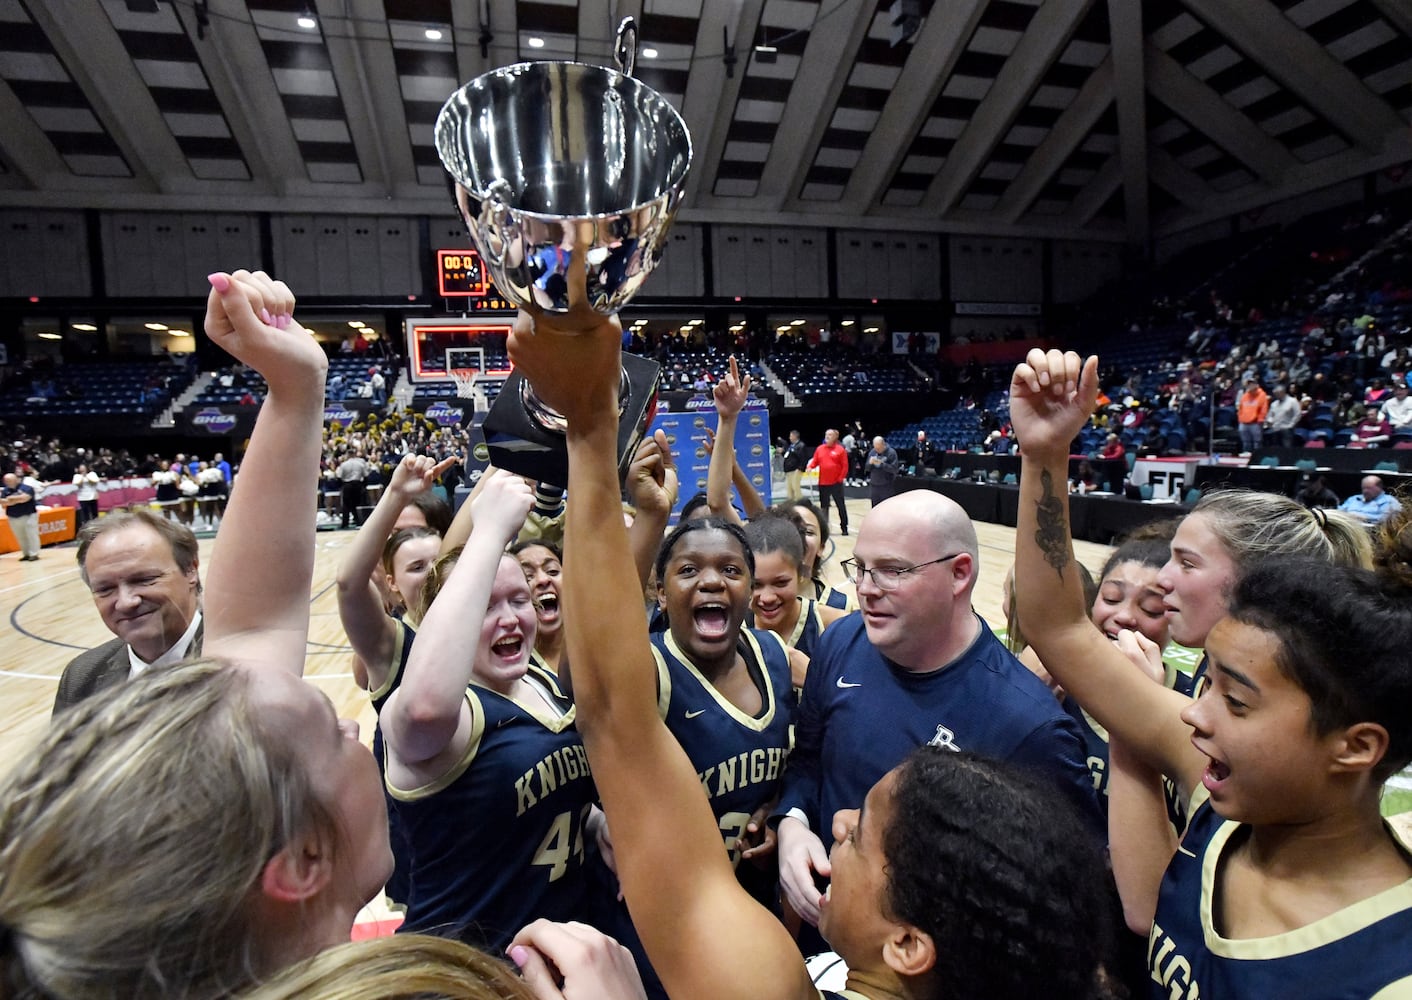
point(1002, 874)
point(1342, 635)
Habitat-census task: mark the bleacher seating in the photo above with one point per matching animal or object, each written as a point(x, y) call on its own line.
point(135, 389)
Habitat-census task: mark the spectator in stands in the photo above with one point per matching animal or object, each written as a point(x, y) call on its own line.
point(1112, 448)
point(1314, 492)
point(831, 460)
point(1283, 417)
point(1372, 504)
point(1397, 411)
point(1374, 431)
point(1251, 409)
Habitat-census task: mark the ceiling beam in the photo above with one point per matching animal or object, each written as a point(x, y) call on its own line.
point(1183, 184)
point(1063, 138)
point(1095, 193)
point(709, 105)
point(1130, 92)
point(360, 53)
point(1279, 47)
point(1398, 14)
point(502, 48)
point(26, 146)
point(1048, 33)
point(823, 73)
point(234, 63)
point(90, 49)
point(935, 50)
point(1207, 111)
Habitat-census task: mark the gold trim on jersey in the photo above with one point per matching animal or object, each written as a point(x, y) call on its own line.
point(1336, 926)
point(394, 670)
point(1400, 990)
point(456, 770)
point(759, 673)
point(807, 610)
point(535, 709)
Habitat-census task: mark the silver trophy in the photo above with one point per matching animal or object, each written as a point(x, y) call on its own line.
point(548, 157)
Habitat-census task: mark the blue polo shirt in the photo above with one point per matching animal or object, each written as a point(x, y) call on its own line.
point(1371, 510)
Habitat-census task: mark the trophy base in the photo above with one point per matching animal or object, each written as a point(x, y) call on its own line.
point(520, 444)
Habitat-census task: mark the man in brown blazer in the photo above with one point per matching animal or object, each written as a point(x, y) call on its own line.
point(142, 570)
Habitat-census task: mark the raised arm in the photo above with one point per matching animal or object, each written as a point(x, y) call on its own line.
point(424, 716)
point(704, 934)
point(370, 630)
point(730, 394)
point(1051, 396)
point(652, 487)
point(257, 591)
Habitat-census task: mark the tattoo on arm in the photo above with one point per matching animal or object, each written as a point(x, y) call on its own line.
point(1052, 535)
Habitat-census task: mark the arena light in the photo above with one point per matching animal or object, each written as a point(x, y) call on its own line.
point(535, 42)
point(178, 333)
point(158, 327)
point(356, 324)
point(796, 322)
point(86, 327)
point(847, 322)
point(696, 322)
point(50, 336)
point(433, 35)
point(649, 53)
point(870, 329)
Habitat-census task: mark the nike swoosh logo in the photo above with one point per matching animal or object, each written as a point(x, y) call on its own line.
point(844, 684)
point(503, 723)
point(699, 711)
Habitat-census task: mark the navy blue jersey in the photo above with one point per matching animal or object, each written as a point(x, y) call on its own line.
point(739, 758)
point(1096, 746)
point(1352, 954)
point(499, 840)
point(808, 629)
point(862, 714)
point(826, 593)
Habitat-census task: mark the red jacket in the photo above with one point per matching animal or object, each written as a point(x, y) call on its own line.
point(832, 462)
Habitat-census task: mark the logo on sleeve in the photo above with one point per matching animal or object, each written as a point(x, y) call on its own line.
point(845, 684)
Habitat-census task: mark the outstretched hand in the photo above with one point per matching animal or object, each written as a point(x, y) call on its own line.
point(1052, 395)
point(251, 317)
point(502, 505)
point(731, 391)
point(416, 474)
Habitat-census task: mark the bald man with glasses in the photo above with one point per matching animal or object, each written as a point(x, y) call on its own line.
point(915, 665)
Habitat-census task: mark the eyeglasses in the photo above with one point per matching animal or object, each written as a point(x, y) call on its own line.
point(888, 577)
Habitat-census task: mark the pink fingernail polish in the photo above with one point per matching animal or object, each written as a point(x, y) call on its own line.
point(265, 317)
point(519, 955)
point(219, 282)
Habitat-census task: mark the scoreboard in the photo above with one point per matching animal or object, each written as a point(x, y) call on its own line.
point(461, 274)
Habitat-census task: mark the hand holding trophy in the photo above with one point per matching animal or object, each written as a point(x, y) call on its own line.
point(561, 165)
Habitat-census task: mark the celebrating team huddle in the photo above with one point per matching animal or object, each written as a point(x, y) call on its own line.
point(691, 811)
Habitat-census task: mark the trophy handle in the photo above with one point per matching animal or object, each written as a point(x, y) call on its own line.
point(497, 221)
point(625, 48)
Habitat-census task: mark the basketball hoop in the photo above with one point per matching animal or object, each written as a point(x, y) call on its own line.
point(465, 379)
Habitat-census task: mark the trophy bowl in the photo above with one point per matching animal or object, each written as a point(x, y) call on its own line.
point(550, 156)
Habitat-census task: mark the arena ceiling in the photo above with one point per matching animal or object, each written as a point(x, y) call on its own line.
point(1111, 118)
